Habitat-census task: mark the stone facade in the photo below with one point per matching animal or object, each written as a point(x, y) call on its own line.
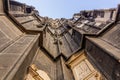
point(85, 47)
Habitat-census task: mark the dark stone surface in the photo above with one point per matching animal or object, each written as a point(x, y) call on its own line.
point(26, 60)
point(60, 38)
point(102, 59)
point(50, 44)
point(65, 48)
point(77, 37)
point(56, 44)
point(56, 70)
point(113, 36)
point(44, 63)
point(30, 22)
point(89, 28)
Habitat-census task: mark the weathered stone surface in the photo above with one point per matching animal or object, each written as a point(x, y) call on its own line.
point(16, 50)
point(65, 48)
point(91, 27)
point(30, 23)
point(50, 44)
point(12, 27)
point(61, 38)
point(24, 19)
point(43, 62)
point(6, 63)
point(4, 40)
point(104, 56)
point(1, 7)
point(63, 42)
point(56, 70)
point(113, 36)
point(14, 53)
point(9, 28)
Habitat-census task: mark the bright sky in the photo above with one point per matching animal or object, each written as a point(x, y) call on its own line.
point(66, 8)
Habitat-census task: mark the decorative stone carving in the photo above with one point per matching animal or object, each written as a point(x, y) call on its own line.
point(82, 69)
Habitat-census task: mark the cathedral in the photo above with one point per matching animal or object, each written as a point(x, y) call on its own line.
point(84, 47)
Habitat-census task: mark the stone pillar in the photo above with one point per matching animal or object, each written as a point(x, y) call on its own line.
point(8, 3)
point(117, 13)
point(1, 7)
point(114, 15)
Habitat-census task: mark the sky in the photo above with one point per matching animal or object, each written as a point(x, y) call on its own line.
point(66, 8)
